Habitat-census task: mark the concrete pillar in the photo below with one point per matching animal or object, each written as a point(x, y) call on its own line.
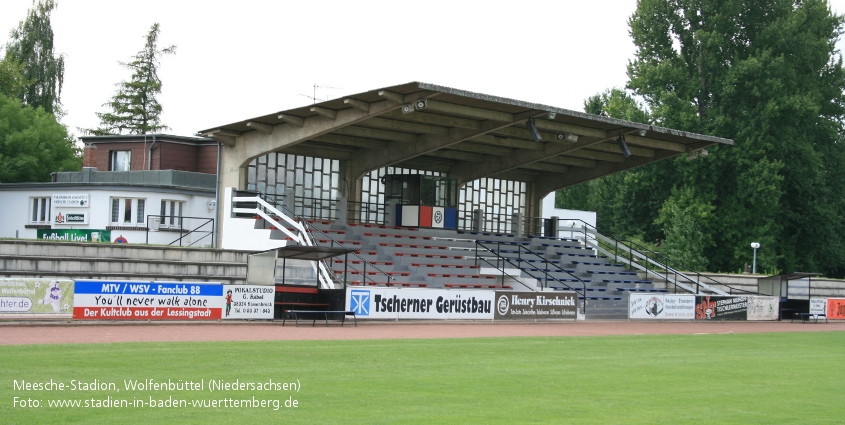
point(516, 224)
point(390, 217)
point(552, 227)
point(477, 220)
point(342, 209)
point(288, 200)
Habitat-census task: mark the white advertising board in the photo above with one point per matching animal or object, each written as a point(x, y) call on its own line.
point(248, 301)
point(393, 303)
point(818, 306)
point(763, 307)
point(644, 305)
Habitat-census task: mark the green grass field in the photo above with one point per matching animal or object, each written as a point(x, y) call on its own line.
point(645, 379)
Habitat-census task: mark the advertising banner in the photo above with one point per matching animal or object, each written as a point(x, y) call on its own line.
point(836, 308)
point(763, 308)
point(69, 217)
point(36, 297)
point(248, 301)
point(512, 305)
point(680, 307)
point(139, 300)
point(75, 235)
point(393, 303)
point(642, 305)
point(818, 306)
point(721, 308)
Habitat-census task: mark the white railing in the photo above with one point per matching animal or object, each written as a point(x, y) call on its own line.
point(269, 213)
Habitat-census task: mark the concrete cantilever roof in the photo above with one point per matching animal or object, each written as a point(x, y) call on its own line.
point(466, 135)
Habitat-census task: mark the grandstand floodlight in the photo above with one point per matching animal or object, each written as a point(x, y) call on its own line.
point(532, 129)
point(626, 151)
point(754, 245)
point(642, 133)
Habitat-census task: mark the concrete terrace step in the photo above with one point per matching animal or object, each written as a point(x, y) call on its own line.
point(474, 286)
point(357, 262)
point(445, 266)
point(391, 284)
point(396, 236)
point(374, 273)
point(118, 251)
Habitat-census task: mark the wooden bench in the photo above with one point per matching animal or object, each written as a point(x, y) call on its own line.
point(316, 313)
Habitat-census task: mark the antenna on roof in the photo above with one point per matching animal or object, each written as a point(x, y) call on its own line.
point(314, 97)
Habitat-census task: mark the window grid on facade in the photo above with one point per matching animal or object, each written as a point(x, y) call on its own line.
point(124, 210)
point(171, 213)
point(40, 211)
point(313, 181)
point(498, 200)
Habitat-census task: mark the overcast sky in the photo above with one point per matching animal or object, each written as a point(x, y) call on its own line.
point(241, 59)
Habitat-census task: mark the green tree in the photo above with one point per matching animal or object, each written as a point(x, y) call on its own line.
point(33, 144)
point(766, 74)
point(626, 202)
point(687, 222)
point(135, 109)
point(13, 83)
point(31, 48)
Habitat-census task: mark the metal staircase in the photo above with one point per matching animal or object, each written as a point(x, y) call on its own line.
point(252, 205)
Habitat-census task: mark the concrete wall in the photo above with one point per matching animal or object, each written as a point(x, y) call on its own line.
point(240, 233)
point(565, 215)
point(820, 287)
point(70, 260)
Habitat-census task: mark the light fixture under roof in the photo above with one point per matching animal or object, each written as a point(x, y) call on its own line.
point(626, 151)
point(532, 129)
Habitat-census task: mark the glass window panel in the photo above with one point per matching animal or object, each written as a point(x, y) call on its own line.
point(140, 217)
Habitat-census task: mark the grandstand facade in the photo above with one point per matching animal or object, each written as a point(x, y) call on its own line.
point(330, 158)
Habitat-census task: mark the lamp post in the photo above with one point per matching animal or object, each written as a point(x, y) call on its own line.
point(754, 245)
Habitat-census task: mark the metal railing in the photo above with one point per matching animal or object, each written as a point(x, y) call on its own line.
point(366, 213)
point(523, 255)
point(490, 222)
point(165, 223)
point(310, 228)
point(635, 256)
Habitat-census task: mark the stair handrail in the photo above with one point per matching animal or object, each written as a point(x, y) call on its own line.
point(309, 227)
point(182, 232)
point(636, 250)
point(519, 266)
point(517, 279)
point(326, 279)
